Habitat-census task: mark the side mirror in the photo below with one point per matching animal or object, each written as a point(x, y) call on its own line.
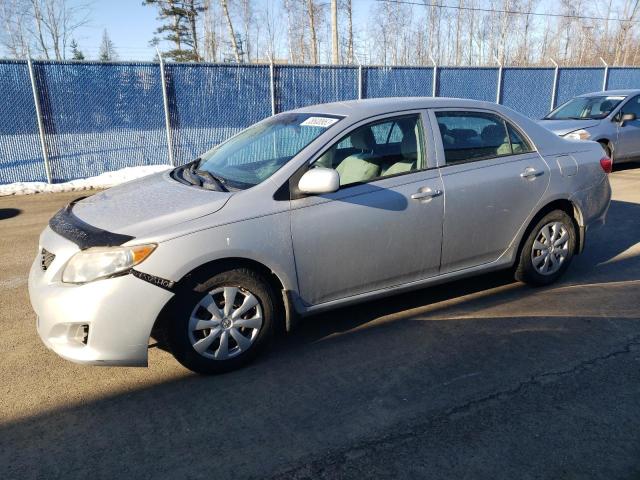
point(319, 180)
point(627, 117)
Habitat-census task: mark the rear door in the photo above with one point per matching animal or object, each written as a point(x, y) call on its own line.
point(628, 144)
point(493, 179)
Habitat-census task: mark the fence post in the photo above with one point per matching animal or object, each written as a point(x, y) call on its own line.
point(499, 88)
point(36, 101)
point(165, 101)
point(605, 80)
point(360, 77)
point(554, 90)
point(434, 81)
point(272, 85)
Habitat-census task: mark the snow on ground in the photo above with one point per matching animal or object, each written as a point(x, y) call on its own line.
point(104, 180)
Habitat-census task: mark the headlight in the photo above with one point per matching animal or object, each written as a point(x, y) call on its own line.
point(100, 262)
point(578, 135)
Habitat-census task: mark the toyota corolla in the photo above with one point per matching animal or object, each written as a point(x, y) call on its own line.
point(309, 210)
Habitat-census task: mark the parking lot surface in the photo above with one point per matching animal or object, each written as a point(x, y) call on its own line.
point(482, 378)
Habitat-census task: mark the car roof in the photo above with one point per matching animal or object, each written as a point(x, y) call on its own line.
point(626, 93)
point(377, 106)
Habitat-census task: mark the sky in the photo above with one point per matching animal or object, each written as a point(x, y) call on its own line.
point(131, 26)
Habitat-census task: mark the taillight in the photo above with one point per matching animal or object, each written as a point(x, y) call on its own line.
point(606, 164)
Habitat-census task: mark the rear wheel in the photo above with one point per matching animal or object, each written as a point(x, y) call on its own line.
point(548, 250)
point(224, 323)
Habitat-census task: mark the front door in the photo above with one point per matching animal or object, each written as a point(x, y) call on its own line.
point(383, 227)
point(628, 144)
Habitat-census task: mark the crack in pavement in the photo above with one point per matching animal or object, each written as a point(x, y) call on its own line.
point(314, 467)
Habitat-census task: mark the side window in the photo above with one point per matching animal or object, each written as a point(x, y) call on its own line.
point(379, 149)
point(396, 133)
point(381, 132)
point(632, 106)
point(518, 143)
point(468, 136)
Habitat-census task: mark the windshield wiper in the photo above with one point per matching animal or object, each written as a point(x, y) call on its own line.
point(190, 175)
point(211, 180)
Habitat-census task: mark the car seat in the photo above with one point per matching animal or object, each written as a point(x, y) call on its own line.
point(358, 167)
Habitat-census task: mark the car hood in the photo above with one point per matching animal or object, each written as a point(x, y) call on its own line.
point(148, 204)
point(562, 127)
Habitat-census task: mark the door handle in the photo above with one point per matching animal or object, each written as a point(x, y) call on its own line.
point(531, 172)
point(426, 193)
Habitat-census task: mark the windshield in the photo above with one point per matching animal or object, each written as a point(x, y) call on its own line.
point(585, 108)
point(256, 153)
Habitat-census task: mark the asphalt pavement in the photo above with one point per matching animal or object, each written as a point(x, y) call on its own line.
point(481, 378)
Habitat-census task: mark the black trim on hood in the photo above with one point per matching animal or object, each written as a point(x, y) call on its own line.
point(69, 226)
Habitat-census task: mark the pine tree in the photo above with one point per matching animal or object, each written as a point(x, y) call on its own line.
point(76, 53)
point(179, 26)
point(107, 49)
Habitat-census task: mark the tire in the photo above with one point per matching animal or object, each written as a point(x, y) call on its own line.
point(533, 261)
point(608, 150)
point(200, 324)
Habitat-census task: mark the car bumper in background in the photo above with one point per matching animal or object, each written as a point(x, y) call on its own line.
point(106, 322)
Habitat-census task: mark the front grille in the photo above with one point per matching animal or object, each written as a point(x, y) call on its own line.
point(46, 257)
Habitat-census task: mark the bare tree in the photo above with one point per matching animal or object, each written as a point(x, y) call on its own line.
point(346, 6)
point(288, 7)
point(107, 49)
point(629, 14)
point(247, 15)
point(232, 34)
point(270, 20)
point(211, 27)
point(335, 48)
point(458, 25)
point(55, 23)
point(311, 14)
point(14, 22)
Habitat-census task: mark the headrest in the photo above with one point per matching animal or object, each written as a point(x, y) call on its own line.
point(409, 146)
point(363, 139)
point(464, 133)
point(606, 106)
point(493, 134)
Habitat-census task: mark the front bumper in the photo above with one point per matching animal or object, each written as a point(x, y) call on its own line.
point(118, 312)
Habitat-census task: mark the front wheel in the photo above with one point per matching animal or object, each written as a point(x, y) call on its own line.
point(548, 250)
point(223, 323)
point(608, 150)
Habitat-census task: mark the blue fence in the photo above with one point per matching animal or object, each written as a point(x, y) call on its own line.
point(99, 117)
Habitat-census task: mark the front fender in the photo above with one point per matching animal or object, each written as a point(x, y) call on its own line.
point(266, 240)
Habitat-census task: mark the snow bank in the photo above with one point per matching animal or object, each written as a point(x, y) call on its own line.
point(104, 180)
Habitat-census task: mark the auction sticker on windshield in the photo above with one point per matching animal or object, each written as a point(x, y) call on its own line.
point(324, 122)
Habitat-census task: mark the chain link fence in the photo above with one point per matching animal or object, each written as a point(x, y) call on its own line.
point(97, 117)
point(20, 152)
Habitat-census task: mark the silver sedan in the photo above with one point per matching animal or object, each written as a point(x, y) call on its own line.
point(306, 211)
point(611, 118)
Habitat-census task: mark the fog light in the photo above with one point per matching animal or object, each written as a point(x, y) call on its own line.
point(80, 333)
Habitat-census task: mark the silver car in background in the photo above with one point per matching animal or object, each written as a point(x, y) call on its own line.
point(310, 210)
point(611, 118)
